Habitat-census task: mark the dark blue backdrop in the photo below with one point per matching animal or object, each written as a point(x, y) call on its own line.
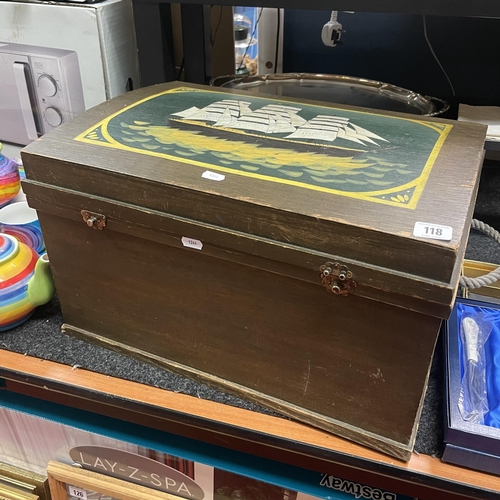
point(392, 48)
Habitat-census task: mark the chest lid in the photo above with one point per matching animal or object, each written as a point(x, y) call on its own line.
point(388, 194)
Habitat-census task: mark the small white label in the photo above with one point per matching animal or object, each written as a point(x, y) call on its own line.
point(432, 231)
point(191, 243)
point(77, 492)
point(213, 176)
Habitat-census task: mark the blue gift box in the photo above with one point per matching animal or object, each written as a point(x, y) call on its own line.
point(469, 444)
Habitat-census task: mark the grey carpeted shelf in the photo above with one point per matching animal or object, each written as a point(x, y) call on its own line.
point(41, 336)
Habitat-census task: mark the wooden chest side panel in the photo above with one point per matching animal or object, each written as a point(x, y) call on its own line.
point(348, 241)
point(354, 360)
point(393, 288)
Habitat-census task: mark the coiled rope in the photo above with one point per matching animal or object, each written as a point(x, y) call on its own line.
point(494, 275)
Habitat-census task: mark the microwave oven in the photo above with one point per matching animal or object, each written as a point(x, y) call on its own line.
point(40, 88)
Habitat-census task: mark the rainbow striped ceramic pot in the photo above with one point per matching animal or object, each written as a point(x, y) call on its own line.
point(21, 221)
point(25, 281)
point(10, 182)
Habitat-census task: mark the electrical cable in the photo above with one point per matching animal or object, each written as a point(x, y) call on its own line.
point(278, 29)
point(217, 27)
point(181, 69)
point(435, 56)
point(251, 39)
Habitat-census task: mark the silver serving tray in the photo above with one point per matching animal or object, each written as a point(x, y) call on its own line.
point(337, 89)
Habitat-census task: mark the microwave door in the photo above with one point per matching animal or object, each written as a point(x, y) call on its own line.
point(27, 96)
point(18, 121)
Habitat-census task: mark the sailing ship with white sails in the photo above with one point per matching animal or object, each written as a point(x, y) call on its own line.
point(271, 119)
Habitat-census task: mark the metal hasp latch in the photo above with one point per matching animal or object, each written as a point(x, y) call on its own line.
point(97, 221)
point(336, 278)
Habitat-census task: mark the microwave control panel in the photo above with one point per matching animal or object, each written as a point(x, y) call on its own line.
point(58, 89)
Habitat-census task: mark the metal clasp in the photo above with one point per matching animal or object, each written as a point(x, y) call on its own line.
point(336, 278)
point(97, 221)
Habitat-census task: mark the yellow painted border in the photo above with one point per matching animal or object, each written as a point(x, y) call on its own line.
point(418, 183)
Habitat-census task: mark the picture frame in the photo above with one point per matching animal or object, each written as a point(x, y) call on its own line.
point(62, 477)
point(17, 483)
point(12, 493)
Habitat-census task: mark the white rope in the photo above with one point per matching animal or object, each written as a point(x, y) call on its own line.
point(489, 278)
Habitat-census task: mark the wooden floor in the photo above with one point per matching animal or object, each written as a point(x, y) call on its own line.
point(244, 430)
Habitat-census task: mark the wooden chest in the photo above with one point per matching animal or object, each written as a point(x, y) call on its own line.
point(297, 254)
